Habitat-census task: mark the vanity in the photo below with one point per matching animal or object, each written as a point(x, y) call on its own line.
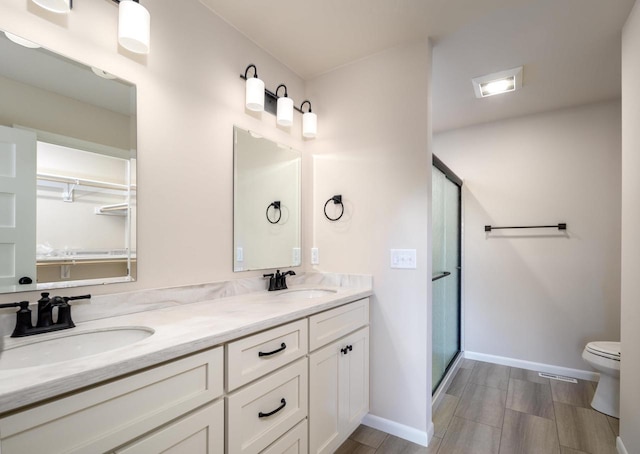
point(268, 372)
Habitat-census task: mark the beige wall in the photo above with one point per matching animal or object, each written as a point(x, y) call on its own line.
point(630, 358)
point(528, 295)
point(373, 148)
point(189, 98)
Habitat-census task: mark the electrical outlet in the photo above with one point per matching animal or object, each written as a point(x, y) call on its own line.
point(296, 256)
point(404, 258)
point(239, 254)
point(315, 256)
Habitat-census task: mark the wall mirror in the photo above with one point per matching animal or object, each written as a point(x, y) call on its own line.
point(266, 203)
point(67, 171)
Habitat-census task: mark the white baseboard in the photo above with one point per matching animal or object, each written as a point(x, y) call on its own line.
point(530, 365)
point(399, 430)
point(620, 446)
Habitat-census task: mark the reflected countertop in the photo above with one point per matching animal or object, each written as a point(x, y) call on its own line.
point(178, 331)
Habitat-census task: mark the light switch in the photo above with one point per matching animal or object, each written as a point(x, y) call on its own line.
point(296, 256)
point(404, 258)
point(315, 256)
point(239, 254)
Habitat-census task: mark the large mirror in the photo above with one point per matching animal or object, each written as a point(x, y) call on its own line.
point(67, 171)
point(266, 203)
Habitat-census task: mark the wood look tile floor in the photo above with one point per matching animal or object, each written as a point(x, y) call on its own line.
point(496, 409)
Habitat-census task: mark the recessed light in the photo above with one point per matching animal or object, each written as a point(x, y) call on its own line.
point(102, 73)
point(497, 83)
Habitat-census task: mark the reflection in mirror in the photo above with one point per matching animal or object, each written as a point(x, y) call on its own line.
point(67, 172)
point(266, 202)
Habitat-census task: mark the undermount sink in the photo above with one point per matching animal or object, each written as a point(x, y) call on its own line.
point(306, 293)
point(71, 346)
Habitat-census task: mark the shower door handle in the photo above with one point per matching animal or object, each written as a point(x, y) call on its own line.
point(440, 276)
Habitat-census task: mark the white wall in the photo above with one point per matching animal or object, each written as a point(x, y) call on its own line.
point(630, 358)
point(189, 98)
point(373, 148)
point(538, 295)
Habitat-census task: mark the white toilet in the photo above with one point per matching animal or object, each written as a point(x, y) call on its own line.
point(605, 358)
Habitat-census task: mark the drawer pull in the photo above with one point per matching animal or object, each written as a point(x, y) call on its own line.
point(347, 349)
point(264, 415)
point(282, 347)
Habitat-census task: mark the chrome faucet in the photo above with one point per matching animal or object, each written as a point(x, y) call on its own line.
point(45, 323)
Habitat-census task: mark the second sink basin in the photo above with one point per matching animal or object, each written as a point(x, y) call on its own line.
point(71, 346)
point(306, 293)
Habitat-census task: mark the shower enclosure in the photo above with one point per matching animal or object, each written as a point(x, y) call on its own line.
point(446, 246)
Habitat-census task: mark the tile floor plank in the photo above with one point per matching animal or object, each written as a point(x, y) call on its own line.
point(584, 429)
point(468, 437)
point(353, 447)
point(482, 404)
point(492, 375)
point(615, 425)
point(565, 450)
point(576, 394)
point(460, 380)
point(368, 436)
point(527, 375)
point(532, 398)
point(443, 414)
point(528, 434)
point(395, 445)
point(468, 363)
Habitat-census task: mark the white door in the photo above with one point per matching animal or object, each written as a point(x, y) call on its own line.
point(17, 207)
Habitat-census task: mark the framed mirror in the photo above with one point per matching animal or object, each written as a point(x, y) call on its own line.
point(266, 203)
point(67, 171)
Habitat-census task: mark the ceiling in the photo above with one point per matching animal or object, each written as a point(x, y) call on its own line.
point(570, 49)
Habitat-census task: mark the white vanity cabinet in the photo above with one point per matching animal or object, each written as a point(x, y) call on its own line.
point(112, 414)
point(338, 375)
point(272, 366)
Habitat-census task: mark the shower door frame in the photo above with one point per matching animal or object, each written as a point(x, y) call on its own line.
point(454, 363)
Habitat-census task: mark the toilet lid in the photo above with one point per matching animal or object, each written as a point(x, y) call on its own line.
point(607, 349)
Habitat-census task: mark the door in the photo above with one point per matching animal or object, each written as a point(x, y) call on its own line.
point(446, 263)
point(17, 207)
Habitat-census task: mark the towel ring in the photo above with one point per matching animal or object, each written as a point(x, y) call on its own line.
point(336, 199)
point(276, 206)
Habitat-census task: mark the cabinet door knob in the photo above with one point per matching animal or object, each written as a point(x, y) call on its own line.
point(282, 347)
point(264, 415)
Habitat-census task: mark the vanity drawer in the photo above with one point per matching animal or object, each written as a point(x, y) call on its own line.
point(262, 412)
point(293, 442)
point(201, 432)
point(109, 415)
point(328, 326)
point(254, 356)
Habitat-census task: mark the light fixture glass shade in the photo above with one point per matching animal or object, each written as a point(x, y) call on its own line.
point(285, 111)
point(21, 41)
point(309, 125)
point(254, 94)
point(134, 26)
point(55, 6)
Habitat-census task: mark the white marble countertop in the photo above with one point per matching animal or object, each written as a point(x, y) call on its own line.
point(179, 330)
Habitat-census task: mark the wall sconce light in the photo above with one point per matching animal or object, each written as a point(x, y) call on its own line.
point(134, 26)
point(309, 122)
point(284, 116)
point(134, 22)
point(258, 98)
point(55, 6)
point(254, 91)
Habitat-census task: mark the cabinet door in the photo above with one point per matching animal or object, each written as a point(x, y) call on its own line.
point(355, 391)
point(201, 432)
point(339, 391)
point(324, 398)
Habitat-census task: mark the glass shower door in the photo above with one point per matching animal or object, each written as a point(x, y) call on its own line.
point(446, 269)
